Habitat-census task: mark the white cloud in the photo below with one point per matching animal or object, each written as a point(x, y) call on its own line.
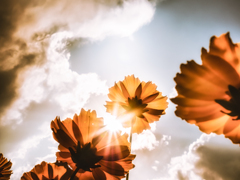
point(18, 171)
point(55, 82)
point(183, 167)
point(56, 24)
point(145, 140)
point(148, 140)
point(35, 146)
point(165, 140)
point(93, 19)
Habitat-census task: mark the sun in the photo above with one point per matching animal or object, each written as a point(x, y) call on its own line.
point(112, 124)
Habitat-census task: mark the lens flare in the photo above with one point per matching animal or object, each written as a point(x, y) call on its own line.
point(112, 124)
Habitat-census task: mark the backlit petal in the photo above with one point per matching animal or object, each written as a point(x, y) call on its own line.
point(203, 90)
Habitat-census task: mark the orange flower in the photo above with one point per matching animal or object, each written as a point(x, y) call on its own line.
point(5, 166)
point(140, 99)
point(85, 146)
point(208, 94)
point(47, 171)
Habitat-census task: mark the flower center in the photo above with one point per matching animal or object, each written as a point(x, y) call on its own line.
point(43, 177)
point(136, 106)
point(233, 105)
point(85, 157)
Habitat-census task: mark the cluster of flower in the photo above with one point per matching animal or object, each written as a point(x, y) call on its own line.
point(208, 96)
point(87, 150)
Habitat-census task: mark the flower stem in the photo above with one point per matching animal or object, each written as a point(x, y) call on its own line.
point(127, 177)
point(74, 173)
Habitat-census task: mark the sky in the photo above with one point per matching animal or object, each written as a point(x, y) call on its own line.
point(58, 56)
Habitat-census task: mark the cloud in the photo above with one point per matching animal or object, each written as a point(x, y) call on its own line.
point(14, 52)
point(218, 164)
point(32, 150)
point(36, 36)
point(145, 140)
point(93, 19)
point(148, 140)
point(203, 161)
point(183, 167)
point(55, 82)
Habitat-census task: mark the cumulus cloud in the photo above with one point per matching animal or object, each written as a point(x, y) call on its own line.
point(87, 18)
point(38, 34)
point(203, 161)
point(14, 52)
point(183, 167)
point(147, 139)
point(55, 82)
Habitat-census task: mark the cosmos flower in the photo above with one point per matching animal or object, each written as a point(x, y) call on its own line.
point(5, 166)
point(208, 94)
point(92, 152)
point(47, 171)
point(139, 99)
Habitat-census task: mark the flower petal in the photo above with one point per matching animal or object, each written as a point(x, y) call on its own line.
point(148, 89)
point(114, 153)
point(159, 103)
point(98, 174)
point(77, 132)
point(140, 125)
point(131, 83)
point(5, 166)
point(46, 171)
point(138, 91)
point(224, 48)
point(112, 168)
point(116, 94)
point(150, 98)
point(150, 117)
point(124, 90)
point(86, 175)
point(203, 93)
point(88, 123)
point(221, 68)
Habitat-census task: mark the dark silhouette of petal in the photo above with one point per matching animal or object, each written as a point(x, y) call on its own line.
point(139, 91)
point(77, 132)
point(5, 167)
point(124, 90)
point(98, 174)
point(34, 176)
point(112, 168)
point(150, 98)
point(48, 171)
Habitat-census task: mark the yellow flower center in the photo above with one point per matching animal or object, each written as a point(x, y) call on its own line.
point(136, 106)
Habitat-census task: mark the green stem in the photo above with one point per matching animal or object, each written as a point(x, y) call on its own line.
point(74, 173)
point(127, 177)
